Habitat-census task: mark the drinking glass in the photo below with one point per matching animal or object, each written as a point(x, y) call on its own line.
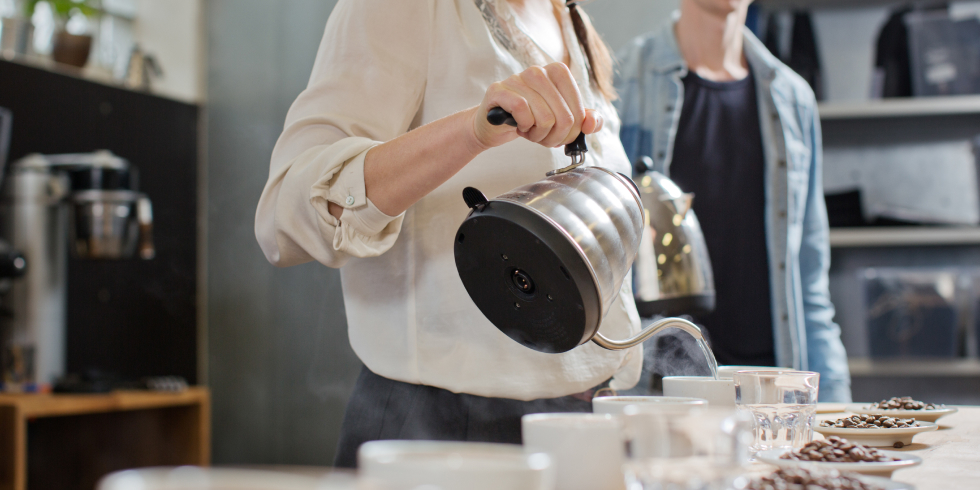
point(782, 403)
point(705, 448)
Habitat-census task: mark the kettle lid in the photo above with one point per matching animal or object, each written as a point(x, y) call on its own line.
point(526, 276)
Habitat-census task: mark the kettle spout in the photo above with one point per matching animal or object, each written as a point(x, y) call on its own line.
point(650, 331)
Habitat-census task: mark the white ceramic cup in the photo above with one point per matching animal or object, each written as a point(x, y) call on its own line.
point(614, 405)
point(718, 392)
point(391, 465)
point(587, 450)
point(197, 478)
point(728, 372)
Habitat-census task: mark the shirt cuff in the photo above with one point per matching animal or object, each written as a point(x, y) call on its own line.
point(363, 230)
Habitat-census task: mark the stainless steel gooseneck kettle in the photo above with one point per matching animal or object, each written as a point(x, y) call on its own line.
point(545, 261)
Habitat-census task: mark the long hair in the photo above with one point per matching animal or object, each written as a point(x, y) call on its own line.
point(600, 61)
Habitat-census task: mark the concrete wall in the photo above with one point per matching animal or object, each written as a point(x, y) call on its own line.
point(279, 363)
point(619, 21)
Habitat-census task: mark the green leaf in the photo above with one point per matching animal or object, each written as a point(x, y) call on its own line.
point(64, 8)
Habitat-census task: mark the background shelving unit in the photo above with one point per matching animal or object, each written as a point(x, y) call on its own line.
point(901, 107)
point(914, 368)
point(911, 236)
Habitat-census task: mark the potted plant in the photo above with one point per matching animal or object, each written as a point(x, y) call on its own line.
point(70, 49)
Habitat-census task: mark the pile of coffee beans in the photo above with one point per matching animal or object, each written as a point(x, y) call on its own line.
point(904, 403)
point(804, 479)
point(870, 422)
point(837, 450)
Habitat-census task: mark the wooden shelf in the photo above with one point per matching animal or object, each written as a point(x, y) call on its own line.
point(915, 368)
point(90, 73)
point(35, 405)
point(95, 434)
point(901, 107)
point(904, 236)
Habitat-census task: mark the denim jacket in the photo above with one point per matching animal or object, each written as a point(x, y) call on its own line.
point(651, 94)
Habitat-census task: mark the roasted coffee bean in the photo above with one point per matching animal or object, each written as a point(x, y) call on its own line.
point(904, 403)
point(808, 479)
point(870, 422)
point(837, 450)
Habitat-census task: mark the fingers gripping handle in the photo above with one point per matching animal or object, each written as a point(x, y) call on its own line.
point(498, 117)
point(576, 149)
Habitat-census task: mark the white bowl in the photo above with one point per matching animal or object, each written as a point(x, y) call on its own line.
point(386, 465)
point(883, 469)
point(877, 437)
point(718, 392)
point(614, 405)
point(921, 415)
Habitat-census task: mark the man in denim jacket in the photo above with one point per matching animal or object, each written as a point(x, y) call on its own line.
point(792, 233)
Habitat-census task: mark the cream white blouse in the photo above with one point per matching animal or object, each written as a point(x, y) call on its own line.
point(383, 68)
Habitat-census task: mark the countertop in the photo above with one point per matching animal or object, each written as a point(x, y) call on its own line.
point(950, 455)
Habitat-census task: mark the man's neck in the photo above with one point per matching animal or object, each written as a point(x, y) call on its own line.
point(711, 42)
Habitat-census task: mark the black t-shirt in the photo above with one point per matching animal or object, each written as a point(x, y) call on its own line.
point(718, 156)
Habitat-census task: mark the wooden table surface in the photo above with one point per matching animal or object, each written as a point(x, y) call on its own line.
point(950, 455)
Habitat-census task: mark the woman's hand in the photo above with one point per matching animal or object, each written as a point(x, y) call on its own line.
point(545, 102)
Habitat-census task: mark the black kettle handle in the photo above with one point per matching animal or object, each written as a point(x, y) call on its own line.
point(498, 116)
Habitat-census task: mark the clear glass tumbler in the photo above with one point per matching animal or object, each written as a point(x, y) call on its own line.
point(783, 404)
point(704, 448)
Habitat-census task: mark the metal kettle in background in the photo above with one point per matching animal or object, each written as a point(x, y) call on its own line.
point(545, 262)
point(672, 273)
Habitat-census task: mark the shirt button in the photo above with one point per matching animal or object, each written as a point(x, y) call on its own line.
point(782, 163)
point(782, 214)
point(782, 266)
point(670, 108)
point(350, 200)
point(785, 317)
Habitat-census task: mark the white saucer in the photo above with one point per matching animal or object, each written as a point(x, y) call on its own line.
point(877, 437)
point(883, 469)
point(921, 415)
point(824, 407)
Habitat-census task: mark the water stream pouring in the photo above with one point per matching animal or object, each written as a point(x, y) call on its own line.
point(545, 261)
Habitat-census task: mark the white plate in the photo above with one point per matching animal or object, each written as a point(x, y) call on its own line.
point(924, 415)
point(884, 469)
point(877, 437)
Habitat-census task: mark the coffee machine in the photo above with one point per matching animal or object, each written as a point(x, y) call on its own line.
point(86, 204)
point(13, 265)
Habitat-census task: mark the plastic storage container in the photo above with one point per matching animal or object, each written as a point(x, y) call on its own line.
point(914, 312)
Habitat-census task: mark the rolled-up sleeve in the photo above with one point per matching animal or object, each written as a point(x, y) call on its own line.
point(366, 88)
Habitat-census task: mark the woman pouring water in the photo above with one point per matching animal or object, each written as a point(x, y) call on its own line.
point(367, 177)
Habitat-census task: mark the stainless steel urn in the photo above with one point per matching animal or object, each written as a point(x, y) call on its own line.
point(672, 273)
